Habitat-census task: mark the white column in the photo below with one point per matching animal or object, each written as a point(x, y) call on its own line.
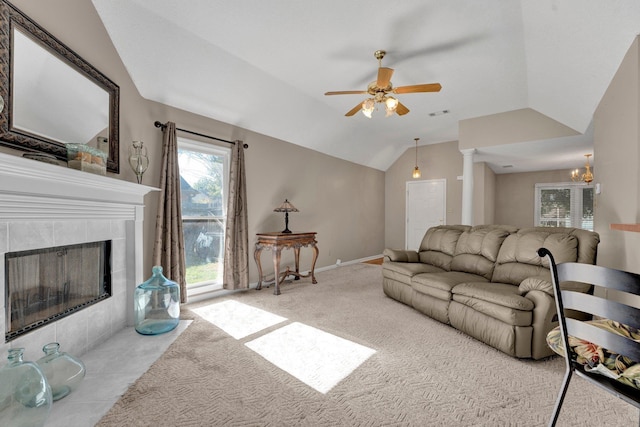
point(467, 186)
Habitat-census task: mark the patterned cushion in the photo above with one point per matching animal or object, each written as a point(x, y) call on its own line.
point(600, 360)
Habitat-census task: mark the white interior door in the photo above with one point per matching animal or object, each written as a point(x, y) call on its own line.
point(426, 207)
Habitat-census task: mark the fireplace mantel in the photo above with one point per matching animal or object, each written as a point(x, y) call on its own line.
point(44, 205)
point(63, 192)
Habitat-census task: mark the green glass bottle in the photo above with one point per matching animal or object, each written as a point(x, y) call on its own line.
point(25, 395)
point(63, 371)
point(156, 304)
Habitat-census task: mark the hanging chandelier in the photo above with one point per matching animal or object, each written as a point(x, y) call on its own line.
point(587, 176)
point(416, 169)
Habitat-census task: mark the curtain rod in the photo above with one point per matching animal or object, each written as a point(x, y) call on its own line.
point(163, 126)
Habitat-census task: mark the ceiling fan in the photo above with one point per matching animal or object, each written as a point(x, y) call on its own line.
point(380, 90)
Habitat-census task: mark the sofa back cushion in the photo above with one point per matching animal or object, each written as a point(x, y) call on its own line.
point(477, 249)
point(587, 241)
point(439, 244)
point(518, 257)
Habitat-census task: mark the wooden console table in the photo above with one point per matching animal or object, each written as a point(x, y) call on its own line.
point(276, 242)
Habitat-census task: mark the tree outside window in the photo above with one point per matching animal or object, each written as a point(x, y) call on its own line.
point(564, 205)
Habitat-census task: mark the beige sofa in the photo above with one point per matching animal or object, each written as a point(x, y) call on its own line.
point(488, 281)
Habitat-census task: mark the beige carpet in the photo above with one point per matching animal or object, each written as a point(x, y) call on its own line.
point(423, 373)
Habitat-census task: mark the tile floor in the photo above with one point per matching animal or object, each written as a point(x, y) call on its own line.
point(111, 368)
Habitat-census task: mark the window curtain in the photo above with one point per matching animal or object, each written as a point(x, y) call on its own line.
point(168, 249)
point(236, 237)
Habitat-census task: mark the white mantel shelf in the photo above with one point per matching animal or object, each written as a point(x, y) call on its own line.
point(62, 192)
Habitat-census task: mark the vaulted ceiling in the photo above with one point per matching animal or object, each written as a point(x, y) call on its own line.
point(265, 66)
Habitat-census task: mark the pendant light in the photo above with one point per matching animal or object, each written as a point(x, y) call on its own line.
point(416, 170)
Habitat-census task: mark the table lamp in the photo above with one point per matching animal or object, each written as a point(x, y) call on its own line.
point(286, 207)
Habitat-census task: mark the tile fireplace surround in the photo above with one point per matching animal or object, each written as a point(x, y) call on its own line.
point(43, 205)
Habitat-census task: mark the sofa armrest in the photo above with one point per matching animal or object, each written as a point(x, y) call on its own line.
point(537, 283)
point(399, 255)
point(543, 283)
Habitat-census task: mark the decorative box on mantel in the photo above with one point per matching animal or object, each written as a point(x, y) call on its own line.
point(86, 158)
point(44, 206)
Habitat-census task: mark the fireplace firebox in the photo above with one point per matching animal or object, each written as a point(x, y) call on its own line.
point(44, 285)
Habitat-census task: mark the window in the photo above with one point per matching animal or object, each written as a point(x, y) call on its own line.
point(564, 205)
point(204, 172)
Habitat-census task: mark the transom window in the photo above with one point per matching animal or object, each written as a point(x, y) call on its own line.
point(564, 205)
point(204, 180)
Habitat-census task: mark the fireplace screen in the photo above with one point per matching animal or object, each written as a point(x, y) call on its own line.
point(44, 285)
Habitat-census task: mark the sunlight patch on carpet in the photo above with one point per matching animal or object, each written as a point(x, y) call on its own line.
point(315, 357)
point(237, 319)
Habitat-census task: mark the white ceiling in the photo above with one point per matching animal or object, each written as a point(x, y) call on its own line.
point(265, 66)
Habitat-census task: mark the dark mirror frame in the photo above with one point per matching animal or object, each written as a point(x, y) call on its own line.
point(11, 16)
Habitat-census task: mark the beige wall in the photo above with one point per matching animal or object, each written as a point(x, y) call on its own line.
point(510, 127)
point(617, 155)
point(436, 161)
point(340, 200)
point(515, 195)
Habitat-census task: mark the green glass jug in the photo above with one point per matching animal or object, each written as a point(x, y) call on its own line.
point(25, 395)
point(64, 372)
point(157, 304)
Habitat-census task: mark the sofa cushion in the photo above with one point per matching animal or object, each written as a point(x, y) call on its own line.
point(510, 316)
point(523, 247)
point(442, 238)
point(503, 294)
point(438, 259)
point(512, 340)
point(598, 359)
point(404, 271)
point(587, 240)
point(518, 257)
point(439, 244)
point(439, 285)
point(477, 250)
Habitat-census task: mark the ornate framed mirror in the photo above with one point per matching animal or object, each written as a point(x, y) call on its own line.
point(51, 95)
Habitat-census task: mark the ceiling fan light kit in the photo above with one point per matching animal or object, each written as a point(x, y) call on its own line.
point(368, 106)
point(380, 90)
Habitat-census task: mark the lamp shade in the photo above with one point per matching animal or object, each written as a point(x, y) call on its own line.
point(286, 206)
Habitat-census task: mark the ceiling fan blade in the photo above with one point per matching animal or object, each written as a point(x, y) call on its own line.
point(347, 92)
point(429, 87)
point(401, 109)
point(354, 110)
point(384, 77)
